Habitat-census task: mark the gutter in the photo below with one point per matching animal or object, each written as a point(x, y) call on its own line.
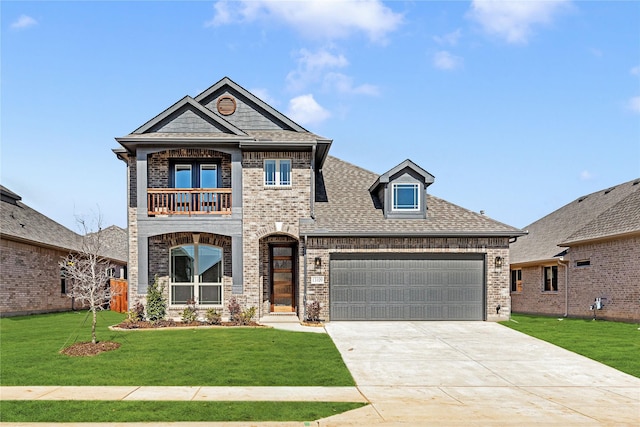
point(412, 234)
point(312, 199)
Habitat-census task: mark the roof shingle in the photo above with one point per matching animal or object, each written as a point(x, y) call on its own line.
point(349, 209)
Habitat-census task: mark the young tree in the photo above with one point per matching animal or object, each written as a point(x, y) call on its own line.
point(87, 273)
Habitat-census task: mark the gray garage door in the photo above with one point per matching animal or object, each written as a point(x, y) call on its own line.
point(406, 287)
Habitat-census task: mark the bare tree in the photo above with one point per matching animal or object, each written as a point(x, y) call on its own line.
point(87, 272)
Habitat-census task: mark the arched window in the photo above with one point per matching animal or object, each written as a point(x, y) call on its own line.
point(196, 274)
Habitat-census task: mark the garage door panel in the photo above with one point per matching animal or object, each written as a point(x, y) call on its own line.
point(399, 289)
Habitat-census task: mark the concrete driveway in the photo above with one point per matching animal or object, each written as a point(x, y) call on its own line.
point(476, 373)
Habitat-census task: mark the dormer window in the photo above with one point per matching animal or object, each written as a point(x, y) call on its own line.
point(401, 192)
point(406, 197)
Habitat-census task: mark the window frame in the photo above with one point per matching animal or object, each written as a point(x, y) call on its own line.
point(196, 167)
point(516, 280)
point(395, 207)
point(550, 284)
point(278, 180)
point(195, 282)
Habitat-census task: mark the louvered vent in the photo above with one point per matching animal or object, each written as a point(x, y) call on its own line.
point(226, 105)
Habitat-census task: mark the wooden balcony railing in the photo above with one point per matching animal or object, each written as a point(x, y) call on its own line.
point(189, 201)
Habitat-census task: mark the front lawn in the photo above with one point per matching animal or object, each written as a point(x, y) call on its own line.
point(30, 355)
point(164, 411)
point(615, 344)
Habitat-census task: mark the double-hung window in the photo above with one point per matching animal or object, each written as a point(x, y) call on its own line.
point(277, 172)
point(196, 274)
point(550, 279)
point(406, 197)
point(516, 280)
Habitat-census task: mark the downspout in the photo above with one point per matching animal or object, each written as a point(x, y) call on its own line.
point(312, 197)
point(304, 295)
point(565, 264)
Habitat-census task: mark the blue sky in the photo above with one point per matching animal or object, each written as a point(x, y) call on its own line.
point(516, 107)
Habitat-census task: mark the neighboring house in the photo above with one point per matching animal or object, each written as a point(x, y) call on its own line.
point(230, 198)
point(32, 245)
point(588, 249)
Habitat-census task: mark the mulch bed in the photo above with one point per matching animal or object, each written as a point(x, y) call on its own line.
point(144, 324)
point(90, 349)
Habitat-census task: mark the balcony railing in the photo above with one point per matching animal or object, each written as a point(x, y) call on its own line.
point(189, 201)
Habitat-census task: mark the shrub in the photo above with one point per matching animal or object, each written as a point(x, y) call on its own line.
point(136, 313)
point(156, 302)
point(190, 312)
point(213, 316)
point(234, 309)
point(313, 311)
point(246, 316)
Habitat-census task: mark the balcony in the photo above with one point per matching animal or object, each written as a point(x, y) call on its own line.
point(189, 201)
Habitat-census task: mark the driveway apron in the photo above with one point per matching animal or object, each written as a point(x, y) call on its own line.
point(479, 373)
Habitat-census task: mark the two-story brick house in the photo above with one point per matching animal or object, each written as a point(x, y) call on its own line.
point(230, 198)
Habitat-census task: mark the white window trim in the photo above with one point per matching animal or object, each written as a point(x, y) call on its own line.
point(394, 207)
point(277, 173)
point(196, 279)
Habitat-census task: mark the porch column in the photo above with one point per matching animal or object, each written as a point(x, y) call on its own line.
point(141, 182)
point(143, 263)
point(236, 264)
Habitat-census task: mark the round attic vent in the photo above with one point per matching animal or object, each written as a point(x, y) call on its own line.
point(226, 105)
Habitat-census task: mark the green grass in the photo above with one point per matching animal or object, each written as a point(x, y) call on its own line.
point(163, 411)
point(615, 344)
point(30, 345)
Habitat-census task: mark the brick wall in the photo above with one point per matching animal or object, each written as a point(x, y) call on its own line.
point(497, 280)
point(532, 299)
point(30, 280)
point(613, 273)
point(267, 211)
point(158, 165)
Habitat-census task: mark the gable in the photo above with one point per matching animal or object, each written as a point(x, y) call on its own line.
point(188, 120)
point(249, 111)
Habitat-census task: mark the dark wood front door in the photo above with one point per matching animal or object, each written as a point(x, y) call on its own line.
point(283, 278)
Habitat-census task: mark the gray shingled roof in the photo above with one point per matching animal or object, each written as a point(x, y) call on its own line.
point(349, 209)
point(603, 213)
point(622, 218)
point(20, 222)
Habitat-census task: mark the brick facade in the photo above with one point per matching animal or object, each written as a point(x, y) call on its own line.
point(613, 273)
point(31, 279)
point(269, 211)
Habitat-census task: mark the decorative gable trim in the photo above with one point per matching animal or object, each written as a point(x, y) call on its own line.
point(385, 177)
point(190, 103)
point(260, 104)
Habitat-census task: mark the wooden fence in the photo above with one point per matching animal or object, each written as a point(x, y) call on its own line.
point(119, 292)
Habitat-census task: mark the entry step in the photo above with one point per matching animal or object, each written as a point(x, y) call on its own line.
point(280, 318)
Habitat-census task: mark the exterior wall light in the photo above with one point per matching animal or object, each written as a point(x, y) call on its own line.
point(317, 262)
point(498, 261)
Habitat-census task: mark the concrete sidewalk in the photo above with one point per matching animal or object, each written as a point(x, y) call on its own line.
point(130, 393)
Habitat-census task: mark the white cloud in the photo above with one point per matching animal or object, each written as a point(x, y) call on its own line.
point(585, 175)
point(305, 110)
point(312, 66)
point(344, 84)
point(449, 38)
point(635, 71)
point(321, 19)
point(23, 22)
point(514, 20)
point(444, 60)
point(634, 104)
